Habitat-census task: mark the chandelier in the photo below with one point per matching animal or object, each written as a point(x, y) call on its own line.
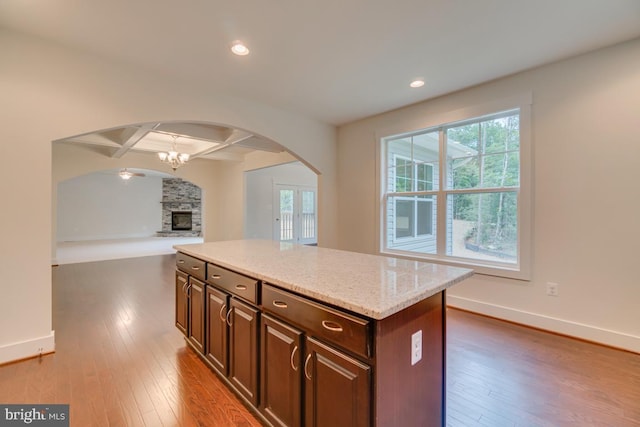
point(172, 157)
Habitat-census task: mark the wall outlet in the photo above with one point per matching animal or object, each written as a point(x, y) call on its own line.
point(552, 289)
point(416, 347)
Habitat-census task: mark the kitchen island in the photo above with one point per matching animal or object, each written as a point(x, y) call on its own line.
point(314, 336)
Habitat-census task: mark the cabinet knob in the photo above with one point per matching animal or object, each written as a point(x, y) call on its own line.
point(180, 261)
point(215, 276)
point(195, 268)
point(241, 287)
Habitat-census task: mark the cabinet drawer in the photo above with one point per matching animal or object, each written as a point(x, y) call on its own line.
point(347, 331)
point(190, 265)
point(242, 286)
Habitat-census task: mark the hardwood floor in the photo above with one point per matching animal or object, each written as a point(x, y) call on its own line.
point(120, 361)
point(500, 374)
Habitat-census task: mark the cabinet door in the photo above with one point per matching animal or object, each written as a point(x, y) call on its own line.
point(243, 349)
point(337, 388)
point(181, 301)
point(196, 313)
point(217, 331)
point(280, 372)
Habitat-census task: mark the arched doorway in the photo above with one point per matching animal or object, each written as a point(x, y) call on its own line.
point(218, 158)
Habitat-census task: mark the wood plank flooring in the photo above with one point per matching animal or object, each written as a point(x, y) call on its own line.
point(120, 361)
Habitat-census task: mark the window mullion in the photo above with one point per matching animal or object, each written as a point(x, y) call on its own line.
point(441, 211)
point(484, 190)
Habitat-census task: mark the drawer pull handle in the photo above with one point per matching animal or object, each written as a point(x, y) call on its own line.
point(306, 363)
point(195, 268)
point(184, 291)
point(280, 304)
point(241, 287)
point(180, 261)
point(293, 354)
point(220, 315)
point(215, 276)
point(229, 317)
point(332, 326)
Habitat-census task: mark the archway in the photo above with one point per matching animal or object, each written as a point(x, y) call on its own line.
point(219, 156)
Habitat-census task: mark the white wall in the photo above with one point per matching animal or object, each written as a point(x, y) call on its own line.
point(70, 161)
point(259, 187)
point(102, 205)
point(52, 93)
point(585, 117)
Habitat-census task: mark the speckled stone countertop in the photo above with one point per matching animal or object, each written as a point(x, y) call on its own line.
point(371, 285)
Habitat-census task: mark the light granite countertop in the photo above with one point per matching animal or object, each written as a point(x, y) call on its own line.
point(372, 285)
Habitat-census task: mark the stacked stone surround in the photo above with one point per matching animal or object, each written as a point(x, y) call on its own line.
point(181, 196)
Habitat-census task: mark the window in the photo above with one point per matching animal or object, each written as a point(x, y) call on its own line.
point(452, 193)
point(412, 213)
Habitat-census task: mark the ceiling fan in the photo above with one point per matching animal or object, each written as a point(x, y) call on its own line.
point(126, 174)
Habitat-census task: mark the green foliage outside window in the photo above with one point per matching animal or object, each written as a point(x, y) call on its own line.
point(492, 162)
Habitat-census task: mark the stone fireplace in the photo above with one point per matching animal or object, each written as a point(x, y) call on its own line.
point(181, 209)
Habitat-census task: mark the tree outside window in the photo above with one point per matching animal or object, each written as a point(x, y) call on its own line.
point(479, 163)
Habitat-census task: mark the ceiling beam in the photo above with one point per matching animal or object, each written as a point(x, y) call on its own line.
point(236, 136)
point(135, 135)
point(194, 130)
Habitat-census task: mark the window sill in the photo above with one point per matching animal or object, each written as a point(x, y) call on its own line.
point(479, 267)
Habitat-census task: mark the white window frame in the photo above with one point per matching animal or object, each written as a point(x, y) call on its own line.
point(414, 182)
point(521, 269)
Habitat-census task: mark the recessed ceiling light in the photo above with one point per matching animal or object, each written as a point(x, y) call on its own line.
point(417, 83)
point(239, 48)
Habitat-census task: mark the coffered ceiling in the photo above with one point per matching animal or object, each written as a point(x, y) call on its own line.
point(204, 141)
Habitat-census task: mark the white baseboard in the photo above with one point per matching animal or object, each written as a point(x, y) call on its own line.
point(27, 349)
point(560, 326)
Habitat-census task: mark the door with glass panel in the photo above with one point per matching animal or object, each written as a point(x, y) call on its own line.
point(295, 216)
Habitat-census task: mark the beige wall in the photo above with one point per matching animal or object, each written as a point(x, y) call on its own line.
point(585, 116)
point(51, 93)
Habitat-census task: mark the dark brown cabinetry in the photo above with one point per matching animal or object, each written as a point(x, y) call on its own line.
point(182, 301)
point(243, 349)
point(231, 329)
point(337, 388)
point(281, 372)
point(217, 342)
point(301, 362)
point(190, 299)
point(342, 329)
point(196, 295)
point(190, 265)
